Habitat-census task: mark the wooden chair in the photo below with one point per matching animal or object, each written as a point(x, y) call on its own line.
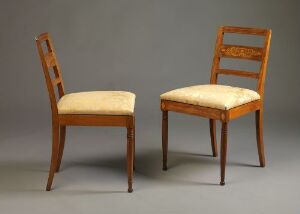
point(97, 108)
point(219, 102)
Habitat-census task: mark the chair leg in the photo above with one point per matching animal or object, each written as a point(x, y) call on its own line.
point(62, 137)
point(165, 138)
point(134, 146)
point(212, 127)
point(54, 156)
point(130, 154)
point(223, 151)
point(259, 137)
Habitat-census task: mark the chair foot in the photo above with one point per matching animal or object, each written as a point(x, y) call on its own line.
point(222, 183)
point(130, 190)
point(48, 188)
point(165, 168)
point(50, 181)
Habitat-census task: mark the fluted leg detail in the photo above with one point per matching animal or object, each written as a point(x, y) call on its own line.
point(223, 151)
point(134, 146)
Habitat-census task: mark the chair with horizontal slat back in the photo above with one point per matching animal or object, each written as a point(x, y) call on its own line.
point(218, 102)
point(98, 108)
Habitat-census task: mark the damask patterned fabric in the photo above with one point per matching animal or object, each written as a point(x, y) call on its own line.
point(97, 102)
point(213, 96)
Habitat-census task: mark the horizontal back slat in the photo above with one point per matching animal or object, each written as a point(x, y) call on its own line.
point(56, 81)
point(50, 59)
point(238, 73)
point(245, 30)
point(242, 52)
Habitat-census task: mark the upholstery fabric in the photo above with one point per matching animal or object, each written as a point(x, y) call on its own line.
point(97, 102)
point(213, 96)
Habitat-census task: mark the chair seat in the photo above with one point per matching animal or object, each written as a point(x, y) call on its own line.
point(213, 96)
point(97, 102)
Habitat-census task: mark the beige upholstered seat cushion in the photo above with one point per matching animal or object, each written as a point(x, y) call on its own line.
point(97, 102)
point(212, 96)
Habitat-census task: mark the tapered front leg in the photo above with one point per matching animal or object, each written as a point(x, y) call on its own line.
point(213, 139)
point(54, 156)
point(165, 138)
point(223, 151)
point(62, 138)
point(259, 137)
point(130, 158)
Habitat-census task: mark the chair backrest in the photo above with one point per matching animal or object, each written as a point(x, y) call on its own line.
point(242, 52)
point(50, 64)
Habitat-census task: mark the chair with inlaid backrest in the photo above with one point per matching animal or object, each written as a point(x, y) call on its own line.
point(220, 102)
point(95, 108)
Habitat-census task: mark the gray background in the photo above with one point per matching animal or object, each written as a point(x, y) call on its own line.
point(147, 47)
